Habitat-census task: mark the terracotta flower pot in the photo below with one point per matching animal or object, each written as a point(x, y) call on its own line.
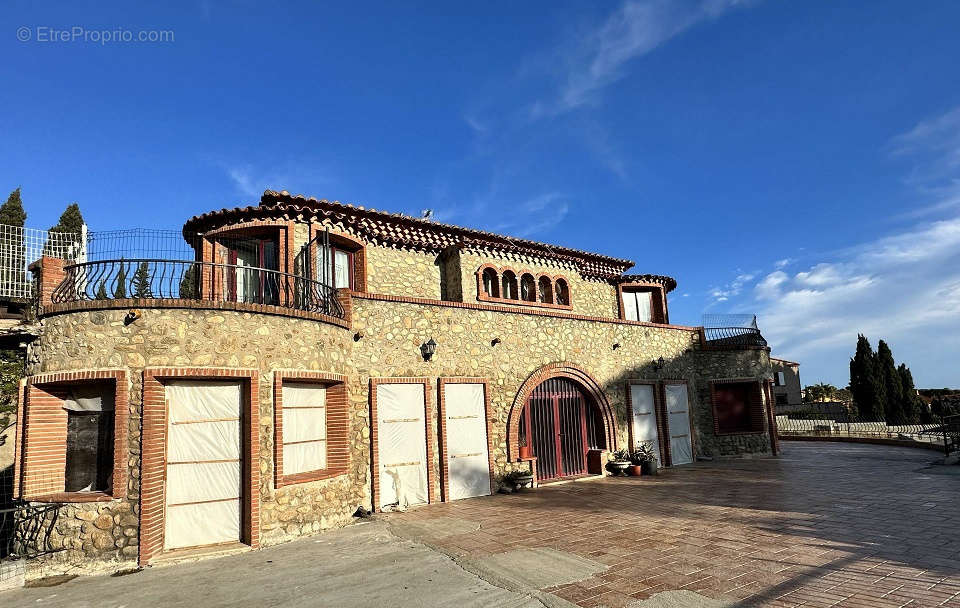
point(635, 470)
point(525, 452)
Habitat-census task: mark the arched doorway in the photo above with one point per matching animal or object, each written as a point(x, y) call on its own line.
point(561, 423)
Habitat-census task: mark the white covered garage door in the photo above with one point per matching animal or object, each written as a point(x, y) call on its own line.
point(678, 416)
point(402, 440)
point(468, 462)
point(644, 417)
point(203, 463)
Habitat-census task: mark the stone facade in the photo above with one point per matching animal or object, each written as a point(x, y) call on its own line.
point(410, 296)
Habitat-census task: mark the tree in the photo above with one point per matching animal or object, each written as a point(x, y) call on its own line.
point(892, 387)
point(914, 409)
point(865, 384)
point(821, 392)
point(70, 226)
point(101, 291)
point(141, 281)
point(13, 272)
point(189, 288)
point(11, 212)
point(11, 370)
point(121, 290)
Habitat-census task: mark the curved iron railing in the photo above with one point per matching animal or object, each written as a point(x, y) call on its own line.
point(190, 280)
point(735, 337)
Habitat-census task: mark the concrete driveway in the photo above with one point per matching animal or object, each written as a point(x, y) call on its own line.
point(823, 525)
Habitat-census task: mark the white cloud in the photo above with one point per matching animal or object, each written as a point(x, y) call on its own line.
point(731, 289)
point(782, 263)
point(600, 56)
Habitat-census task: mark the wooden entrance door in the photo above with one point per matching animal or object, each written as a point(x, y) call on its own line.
point(555, 424)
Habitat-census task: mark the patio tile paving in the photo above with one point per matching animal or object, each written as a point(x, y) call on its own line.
point(825, 524)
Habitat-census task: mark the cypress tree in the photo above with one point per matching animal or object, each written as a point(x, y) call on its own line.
point(141, 281)
point(188, 284)
point(13, 273)
point(913, 408)
point(11, 212)
point(865, 384)
point(892, 388)
point(101, 291)
point(70, 222)
point(121, 290)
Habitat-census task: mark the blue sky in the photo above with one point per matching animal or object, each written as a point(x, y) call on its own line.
point(796, 160)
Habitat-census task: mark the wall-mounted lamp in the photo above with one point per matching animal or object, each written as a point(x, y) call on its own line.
point(658, 364)
point(357, 336)
point(495, 341)
point(616, 345)
point(131, 316)
point(427, 349)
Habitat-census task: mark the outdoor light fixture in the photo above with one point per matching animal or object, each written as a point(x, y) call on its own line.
point(658, 364)
point(495, 341)
point(131, 316)
point(357, 336)
point(616, 345)
point(427, 349)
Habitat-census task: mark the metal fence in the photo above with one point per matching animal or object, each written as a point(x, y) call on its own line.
point(936, 433)
point(186, 280)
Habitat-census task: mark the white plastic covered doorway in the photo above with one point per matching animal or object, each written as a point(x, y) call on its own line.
point(402, 441)
point(468, 462)
point(678, 417)
point(644, 417)
point(203, 463)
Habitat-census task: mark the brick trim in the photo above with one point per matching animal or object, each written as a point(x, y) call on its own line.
point(338, 426)
point(517, 310)
point(441, 417)
point(85, 305)
point(154, 450)
point(559, 370)
point(658, 416)
point(518, 274)
point(43, 449)
point(374, 439)
point(754, 405)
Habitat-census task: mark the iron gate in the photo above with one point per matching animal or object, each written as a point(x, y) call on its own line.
point(555, 424)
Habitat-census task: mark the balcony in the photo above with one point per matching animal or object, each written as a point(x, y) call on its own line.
point(731, 332)
point(180, 281)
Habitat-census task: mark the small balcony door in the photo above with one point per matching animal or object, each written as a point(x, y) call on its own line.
point(249, 279)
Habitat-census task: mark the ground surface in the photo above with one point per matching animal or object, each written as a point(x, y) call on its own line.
point(823, 525)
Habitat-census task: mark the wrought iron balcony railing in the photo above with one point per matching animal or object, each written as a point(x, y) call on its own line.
point(733, 337)
point(188, 280)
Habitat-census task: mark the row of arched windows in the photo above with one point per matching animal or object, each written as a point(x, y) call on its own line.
point(505, 285)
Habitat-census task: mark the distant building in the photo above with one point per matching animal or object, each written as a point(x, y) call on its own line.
point(786, 383)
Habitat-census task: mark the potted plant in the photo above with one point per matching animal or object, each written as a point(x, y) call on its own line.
point(619, 463)
point(636, 463)
point(525, 452)
point(647, 458)
point(517, 480)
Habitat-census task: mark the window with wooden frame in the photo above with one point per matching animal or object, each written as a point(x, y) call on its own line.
point(563, 293)
point(528, 288)
point(545, 290)
point(645, 303)
point(74, 444)
point(252, 273)
point(311, 421)
point(509, 285)
point(737, 407)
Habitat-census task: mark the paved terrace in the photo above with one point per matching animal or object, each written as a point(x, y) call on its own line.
point(824, 525)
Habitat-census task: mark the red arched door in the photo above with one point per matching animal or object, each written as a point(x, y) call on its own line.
point(560, 426)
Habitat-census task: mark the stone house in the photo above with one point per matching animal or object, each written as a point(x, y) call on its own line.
point(316, 357)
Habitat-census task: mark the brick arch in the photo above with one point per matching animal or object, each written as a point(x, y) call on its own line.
point(560, 370)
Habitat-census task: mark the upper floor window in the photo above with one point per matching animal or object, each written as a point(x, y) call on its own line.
point(779, 379)
point(503, 285)
point(528, 288)
point(251, 273)
point(337, 263)
point(637, 305)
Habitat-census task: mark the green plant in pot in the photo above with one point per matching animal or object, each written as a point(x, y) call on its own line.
point(645, 456)
point(619, 463)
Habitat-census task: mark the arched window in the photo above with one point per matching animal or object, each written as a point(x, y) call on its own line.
point(563, 293)
point(545, 287)
point(528, 288)
point(509, 285)
point(491, 283)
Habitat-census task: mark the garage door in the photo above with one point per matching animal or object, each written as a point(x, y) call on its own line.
point(402, 444)
point(468, 462)
point(644, 417)
point(203, 464)
point(678, 416)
